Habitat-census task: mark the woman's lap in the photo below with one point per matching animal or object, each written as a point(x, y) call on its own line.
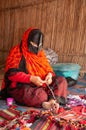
point(34, 96)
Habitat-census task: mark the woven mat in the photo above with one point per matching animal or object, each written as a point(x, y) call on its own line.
point(42, 120)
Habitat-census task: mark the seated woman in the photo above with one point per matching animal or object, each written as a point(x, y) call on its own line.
point(29, 78)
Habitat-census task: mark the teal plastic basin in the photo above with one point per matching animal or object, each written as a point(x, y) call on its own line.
point(67, 70)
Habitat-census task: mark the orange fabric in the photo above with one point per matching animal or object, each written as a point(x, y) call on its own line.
point(35, 64)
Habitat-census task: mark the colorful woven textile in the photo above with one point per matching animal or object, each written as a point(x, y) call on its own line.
point(67, 120)
point(73, 119)
point(12, 119)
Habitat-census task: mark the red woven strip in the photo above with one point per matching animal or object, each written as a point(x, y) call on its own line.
point(51, 124)
point(16, 112)
point(39, 125)
point(6, 116)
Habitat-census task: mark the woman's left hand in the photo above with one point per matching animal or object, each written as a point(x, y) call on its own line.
point(48, 79)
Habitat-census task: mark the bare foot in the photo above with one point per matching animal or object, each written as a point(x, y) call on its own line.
point(46, 105)
point(51, 105)
point(55, 107)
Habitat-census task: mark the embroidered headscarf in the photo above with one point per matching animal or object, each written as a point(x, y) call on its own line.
point(36, 64)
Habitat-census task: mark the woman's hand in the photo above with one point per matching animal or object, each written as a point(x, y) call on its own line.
point(37, 80)
point(48, 79)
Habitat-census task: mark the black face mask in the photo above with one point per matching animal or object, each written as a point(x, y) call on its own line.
point(34, 49)
point(36, 37)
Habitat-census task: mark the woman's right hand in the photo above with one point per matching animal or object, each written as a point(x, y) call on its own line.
point(37, 80)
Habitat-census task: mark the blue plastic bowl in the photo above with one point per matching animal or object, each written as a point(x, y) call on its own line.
point(67, 70)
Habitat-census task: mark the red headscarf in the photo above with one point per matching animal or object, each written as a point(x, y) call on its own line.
point(35, 64)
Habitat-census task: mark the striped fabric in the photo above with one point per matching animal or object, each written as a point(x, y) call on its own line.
point(44, 124)
point(67, 120)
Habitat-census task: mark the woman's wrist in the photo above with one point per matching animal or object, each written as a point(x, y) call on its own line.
point(50, 74)
point(31, 78)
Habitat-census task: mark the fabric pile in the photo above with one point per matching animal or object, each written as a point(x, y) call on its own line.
point(76, 100)
point(67, 120)
point(12, 119)
point(32, 119)
point(51, 56)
